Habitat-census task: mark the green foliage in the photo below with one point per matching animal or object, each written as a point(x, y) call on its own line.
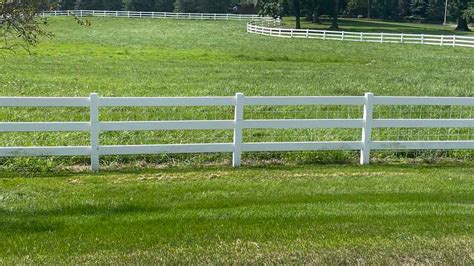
point(186, 6)
point(268, 8)
point(20, 25)
point(164, 5)
point(204, 6)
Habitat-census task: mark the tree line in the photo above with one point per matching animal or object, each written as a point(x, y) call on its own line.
point(401, 10)
point(187, 6)
point(461, 11)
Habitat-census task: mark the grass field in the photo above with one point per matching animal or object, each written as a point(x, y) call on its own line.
point(122, 57)
point(166, 209)
point(312, 214)
point(143, 57)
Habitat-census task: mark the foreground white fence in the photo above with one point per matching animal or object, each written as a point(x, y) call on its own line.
point(441, 40)
point(141, 14)
point(366, 123)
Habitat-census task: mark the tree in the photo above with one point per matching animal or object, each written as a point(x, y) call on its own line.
point(20, 25)
point(369, 8)
point(67, 4)
point(113, 4)
point(186, 6)
point(268, 8)
point(297, 11)
point(165, 5)
point(312, 10)
point(285, 7)
point(142, 5)
point(334, 23)
point(462, 15)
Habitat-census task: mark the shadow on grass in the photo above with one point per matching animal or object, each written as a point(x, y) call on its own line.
point(363, 224)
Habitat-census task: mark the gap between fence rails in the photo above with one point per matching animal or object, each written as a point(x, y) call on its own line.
point(366, 123)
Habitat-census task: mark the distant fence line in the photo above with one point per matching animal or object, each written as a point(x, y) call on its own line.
point(268, 28)
point(366, 123)
point(142, 14)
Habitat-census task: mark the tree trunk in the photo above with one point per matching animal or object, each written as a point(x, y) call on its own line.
point(462, 25)
point(334, 24)
point(316, 16)
point(296, 6)
point(462, 21)
point(369, 9)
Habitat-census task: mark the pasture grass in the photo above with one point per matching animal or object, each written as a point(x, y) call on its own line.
point(335, 214)
point(145, 57)
point(302, 214)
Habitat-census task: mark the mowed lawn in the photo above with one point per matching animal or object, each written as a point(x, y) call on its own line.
point(309, 214)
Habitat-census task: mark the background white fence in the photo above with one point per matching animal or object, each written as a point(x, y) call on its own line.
point(141, 14)
point(441, 40)
point(238, 124)
point(267, 26)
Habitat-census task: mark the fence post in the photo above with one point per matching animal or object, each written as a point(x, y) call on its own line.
point(342, 36)
point(442, 40)
point(454, 40)
point(307, 34)
point(324, 34)
point(367, 129)
point(422, 38)
point(81, 13)
point(94, 131)
point(401, 38)
point(381, 37)
point(291, 33)
point(361, 36)
point(238, 118)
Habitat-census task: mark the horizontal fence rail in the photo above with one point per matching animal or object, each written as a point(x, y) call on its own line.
point(268, 28)
point(142, 14)
point(366, 122)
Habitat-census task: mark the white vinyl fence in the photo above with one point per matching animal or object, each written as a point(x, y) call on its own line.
point(141, 14)
point(238, 124)
point(265, 28)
